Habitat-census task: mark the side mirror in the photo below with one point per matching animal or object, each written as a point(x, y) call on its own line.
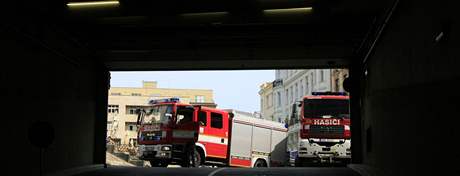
point(180, 117)
point(346, 84)
point(169, 115)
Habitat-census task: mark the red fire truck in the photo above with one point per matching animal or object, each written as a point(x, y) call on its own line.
point(322, 133)
point(215, 136)
point(167, 132)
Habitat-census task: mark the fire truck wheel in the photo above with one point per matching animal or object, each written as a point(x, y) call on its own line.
point(197, 159)
point(154, 163)
point(260, 163)
point(299, 162)
point(187, 161)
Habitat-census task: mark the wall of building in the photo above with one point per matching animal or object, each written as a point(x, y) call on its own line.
point(186, 95)
point(267, 101)
point(410, 103)
point(119, 122)
point(52, 81)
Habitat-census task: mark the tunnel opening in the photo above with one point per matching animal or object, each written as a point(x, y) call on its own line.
point(294, 117)
point(402, 60)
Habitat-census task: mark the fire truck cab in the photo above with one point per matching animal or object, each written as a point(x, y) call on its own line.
point(167, 132)
point(323, 129)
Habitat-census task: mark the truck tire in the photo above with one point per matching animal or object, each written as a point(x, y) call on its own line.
point(155, 163)
point(260, 163)
point(305, 162)
point(198, 159)
point(297, 162)
point(187, 161)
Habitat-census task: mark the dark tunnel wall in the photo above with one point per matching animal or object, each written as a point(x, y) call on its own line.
point(410, 105)
point(54, 81)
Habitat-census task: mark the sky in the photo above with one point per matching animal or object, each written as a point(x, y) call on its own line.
point(232, 89)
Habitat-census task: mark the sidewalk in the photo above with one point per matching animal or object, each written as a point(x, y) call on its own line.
point(112, 160)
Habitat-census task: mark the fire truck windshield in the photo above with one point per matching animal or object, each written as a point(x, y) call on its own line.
point(158, 114)
point(318, 108)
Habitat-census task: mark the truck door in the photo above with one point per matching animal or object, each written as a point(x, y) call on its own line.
point(216, 134)
point(186, 128)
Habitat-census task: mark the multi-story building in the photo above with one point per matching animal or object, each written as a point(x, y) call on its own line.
point(266, 101)
point(291, 85)
point(123, 102)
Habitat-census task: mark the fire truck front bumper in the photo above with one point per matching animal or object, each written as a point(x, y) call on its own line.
point(329, 149)
point(160, 151)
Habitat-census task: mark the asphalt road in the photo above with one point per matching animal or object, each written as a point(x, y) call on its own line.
point(225, 171)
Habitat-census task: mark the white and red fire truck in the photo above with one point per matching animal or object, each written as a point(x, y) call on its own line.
point(322, 132)
point(220, 137)
point(236, 138)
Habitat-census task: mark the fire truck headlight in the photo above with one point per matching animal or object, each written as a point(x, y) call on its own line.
point(306, 127)
point(166, 148)
point(347, 127)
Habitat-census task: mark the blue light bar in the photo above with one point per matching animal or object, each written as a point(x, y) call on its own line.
point(165, 100)
point(329, 93)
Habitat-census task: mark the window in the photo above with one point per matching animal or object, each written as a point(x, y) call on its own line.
point(279, 98)
point(132, 109)
point(115, 93)
point(313, 80)
point(136, 94)
point(337, 86)
point(287, 94)
point(113, 109)
point(184, 114)
point(130, 126)
point(301, 89)
point(296, 94)
point(199, 99)
point(216, 120)
point(321, 76)
point(202, 118)
point(307, 85)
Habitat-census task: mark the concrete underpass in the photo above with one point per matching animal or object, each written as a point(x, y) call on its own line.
point(402, 55)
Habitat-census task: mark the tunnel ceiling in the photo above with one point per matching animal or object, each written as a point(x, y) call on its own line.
point(219, 34)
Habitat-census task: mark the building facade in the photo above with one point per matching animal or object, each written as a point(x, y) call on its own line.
point(266, 101)
point(123, 102)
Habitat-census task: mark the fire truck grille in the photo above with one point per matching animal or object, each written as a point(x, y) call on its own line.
point(152, 135)
point(325, 131)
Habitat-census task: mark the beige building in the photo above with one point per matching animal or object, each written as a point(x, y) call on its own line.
point(123, 102)
point(337, 78)
point(266, 101)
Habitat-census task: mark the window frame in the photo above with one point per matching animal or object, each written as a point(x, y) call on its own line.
point(213, 121)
